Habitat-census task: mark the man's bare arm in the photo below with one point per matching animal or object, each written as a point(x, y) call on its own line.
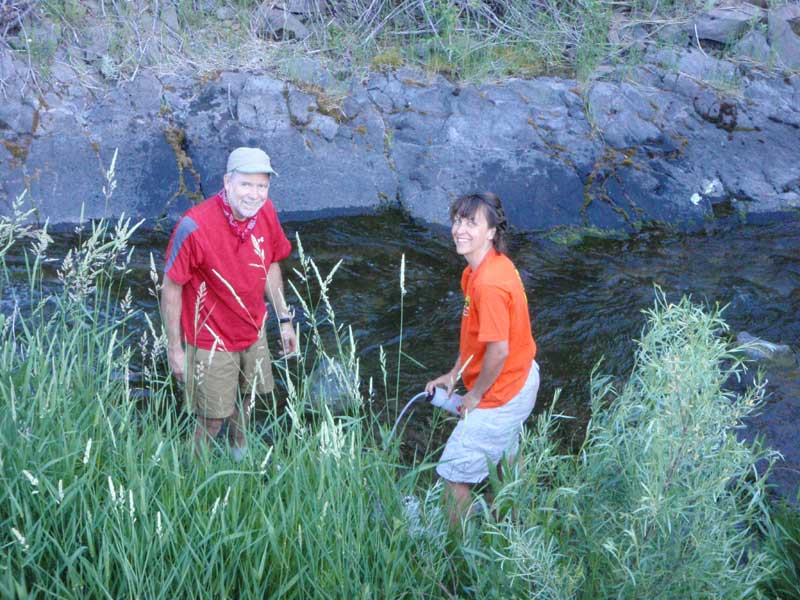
point(171, 315)
point(278, 300)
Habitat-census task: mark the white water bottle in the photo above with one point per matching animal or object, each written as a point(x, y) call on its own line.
point(451, 404)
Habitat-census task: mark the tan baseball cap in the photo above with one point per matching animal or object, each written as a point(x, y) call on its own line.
point(249, 160)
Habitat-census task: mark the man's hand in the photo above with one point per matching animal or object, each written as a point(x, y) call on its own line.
point(177, 362)
point(288, 339)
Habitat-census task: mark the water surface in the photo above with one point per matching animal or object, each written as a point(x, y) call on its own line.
point(586, 300)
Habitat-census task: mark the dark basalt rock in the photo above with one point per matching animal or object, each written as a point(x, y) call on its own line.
point(619, 155)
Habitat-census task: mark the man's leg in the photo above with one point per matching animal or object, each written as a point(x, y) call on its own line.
point(237, 424)
point(212, 392)
point(255, 371)
point(205, 432)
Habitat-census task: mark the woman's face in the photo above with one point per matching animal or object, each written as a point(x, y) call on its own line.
point(472, 235)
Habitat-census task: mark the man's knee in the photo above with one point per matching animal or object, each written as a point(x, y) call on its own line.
point(211, 426)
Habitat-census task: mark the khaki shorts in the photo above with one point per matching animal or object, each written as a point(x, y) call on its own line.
point(216, 379)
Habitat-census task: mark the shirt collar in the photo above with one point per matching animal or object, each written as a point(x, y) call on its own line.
point(241, 229)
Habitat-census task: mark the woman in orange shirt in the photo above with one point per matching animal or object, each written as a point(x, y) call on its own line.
point(496, 359)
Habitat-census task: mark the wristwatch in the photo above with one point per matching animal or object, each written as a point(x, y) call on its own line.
point(289, 315)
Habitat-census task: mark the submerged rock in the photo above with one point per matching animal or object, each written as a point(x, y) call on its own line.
point(329, 386)
point(755, 348)
point(775, 422)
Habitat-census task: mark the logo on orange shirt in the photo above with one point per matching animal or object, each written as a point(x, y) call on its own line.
point(465, 312)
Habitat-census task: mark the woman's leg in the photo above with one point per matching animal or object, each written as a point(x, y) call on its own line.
point(457, 499)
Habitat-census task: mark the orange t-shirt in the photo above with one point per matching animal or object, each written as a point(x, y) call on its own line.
point(496, 309)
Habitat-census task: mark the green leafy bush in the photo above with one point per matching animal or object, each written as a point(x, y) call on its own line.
point(662, 500)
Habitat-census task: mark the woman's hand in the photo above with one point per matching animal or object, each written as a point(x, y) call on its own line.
point(469, 401)
point(447, 381)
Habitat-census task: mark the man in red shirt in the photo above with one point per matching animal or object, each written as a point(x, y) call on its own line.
point(222, 259)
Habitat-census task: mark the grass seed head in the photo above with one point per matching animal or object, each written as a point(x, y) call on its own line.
point(87, 451)
point(20, 539)
point(31, 478)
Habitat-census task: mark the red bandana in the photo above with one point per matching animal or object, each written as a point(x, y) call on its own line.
point(240, 229)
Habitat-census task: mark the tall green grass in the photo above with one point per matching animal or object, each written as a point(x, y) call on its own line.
point(102, 496)
point(782, 542)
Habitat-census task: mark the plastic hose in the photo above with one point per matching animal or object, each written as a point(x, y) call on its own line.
point(402, 412)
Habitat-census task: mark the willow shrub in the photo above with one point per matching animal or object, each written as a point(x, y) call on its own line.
point(663, 499)
point(101, 495)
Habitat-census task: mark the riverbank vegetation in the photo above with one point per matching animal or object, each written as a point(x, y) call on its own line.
point(101, 494)
point(475, 40)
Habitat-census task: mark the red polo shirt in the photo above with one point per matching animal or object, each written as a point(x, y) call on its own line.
point(223, 278)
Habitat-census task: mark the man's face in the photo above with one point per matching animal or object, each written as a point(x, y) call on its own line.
point(246, 193)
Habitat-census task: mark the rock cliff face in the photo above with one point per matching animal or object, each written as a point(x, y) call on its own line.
point(646, 145)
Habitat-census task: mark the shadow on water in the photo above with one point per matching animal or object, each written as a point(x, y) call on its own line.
point(586, 299)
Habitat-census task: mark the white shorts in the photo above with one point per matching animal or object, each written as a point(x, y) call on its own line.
point(487, 434)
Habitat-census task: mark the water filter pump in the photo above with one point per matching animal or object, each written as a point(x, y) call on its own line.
point(451, 404)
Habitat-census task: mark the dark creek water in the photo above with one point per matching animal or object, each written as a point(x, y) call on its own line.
point(586, 300)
